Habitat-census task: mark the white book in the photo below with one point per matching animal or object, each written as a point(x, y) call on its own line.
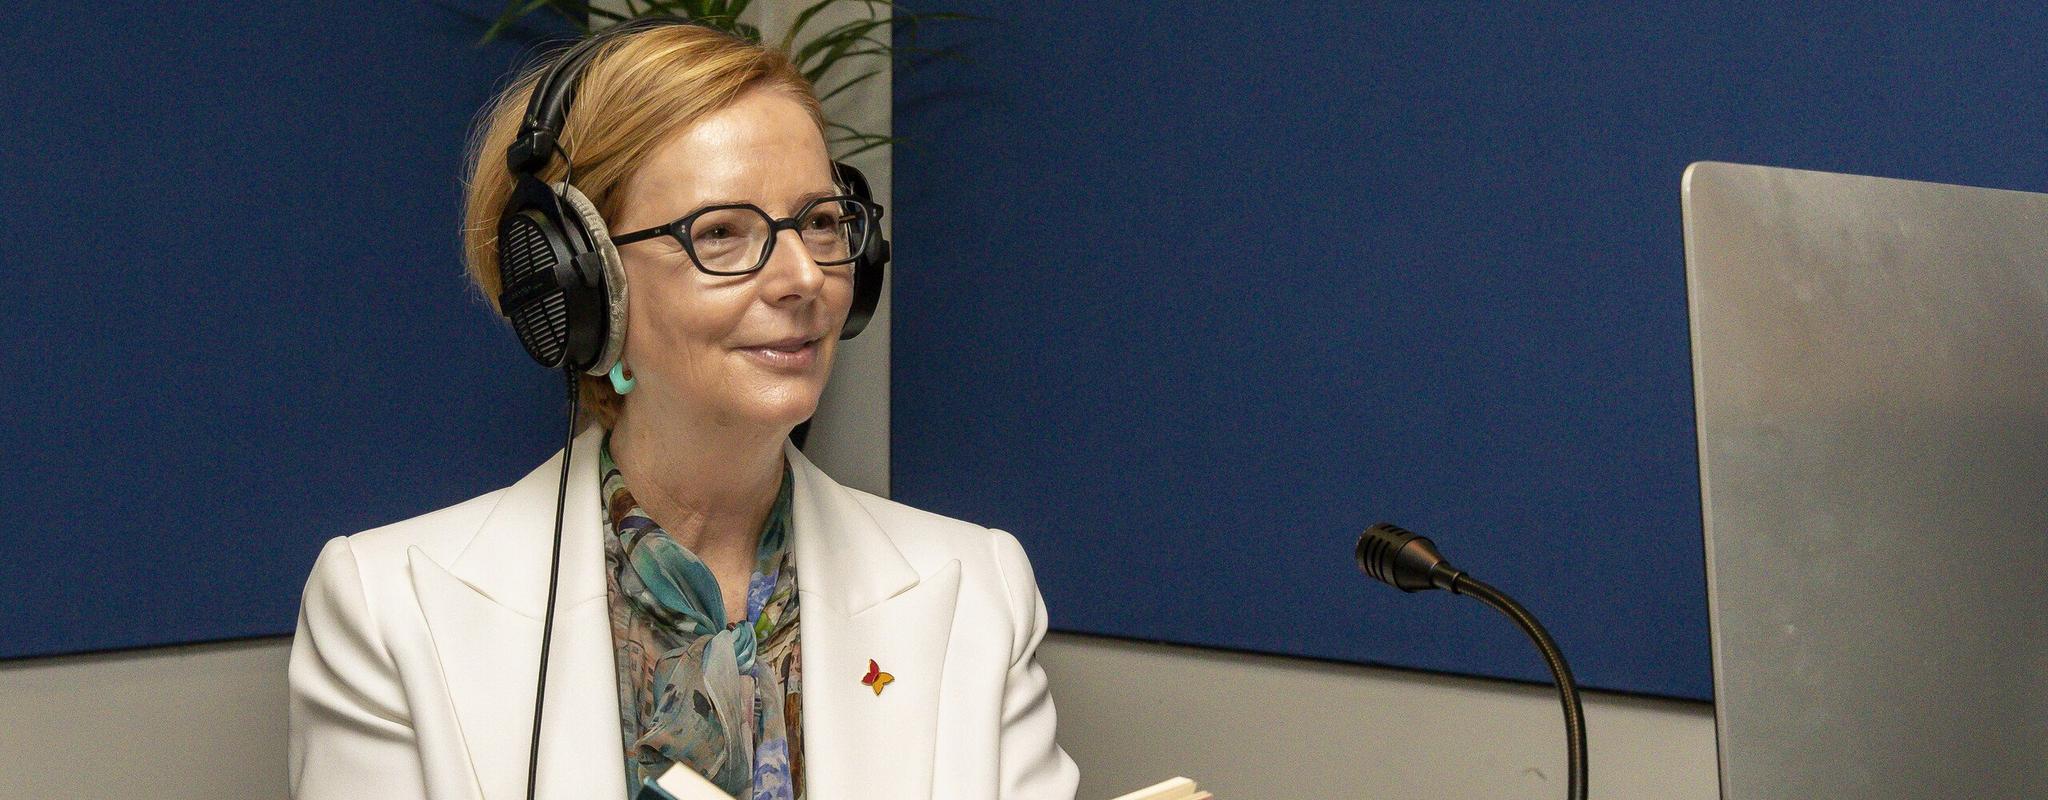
point(1175, 789)
point(684, 783)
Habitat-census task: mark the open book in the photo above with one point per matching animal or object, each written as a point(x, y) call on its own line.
point(686, 784)
point(1176, 789)
point(683, 783)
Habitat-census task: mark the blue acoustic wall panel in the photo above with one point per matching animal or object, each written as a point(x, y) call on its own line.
point(237, 314)
point(1190, 293)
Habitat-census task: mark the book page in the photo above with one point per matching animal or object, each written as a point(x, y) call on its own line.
point(1172, 789)
point(684, 783)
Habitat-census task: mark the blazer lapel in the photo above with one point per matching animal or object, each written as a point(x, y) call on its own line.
point(859, 599)
point(484, 612)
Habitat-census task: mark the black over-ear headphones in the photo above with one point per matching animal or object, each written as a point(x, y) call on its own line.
point(564, 287)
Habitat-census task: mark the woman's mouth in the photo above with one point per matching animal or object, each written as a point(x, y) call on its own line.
point(792, 355)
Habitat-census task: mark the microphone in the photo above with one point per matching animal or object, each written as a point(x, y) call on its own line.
point(1404, 560)
point(1397, 557)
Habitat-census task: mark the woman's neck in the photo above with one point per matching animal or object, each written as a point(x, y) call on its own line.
point(710, 486)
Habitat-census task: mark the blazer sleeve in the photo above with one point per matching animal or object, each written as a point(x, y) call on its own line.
point(350, 731)
point(1032, 765)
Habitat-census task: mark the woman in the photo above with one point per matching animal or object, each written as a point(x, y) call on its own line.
point(726, 613)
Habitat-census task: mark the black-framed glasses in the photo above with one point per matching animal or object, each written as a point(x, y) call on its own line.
point(737, 239)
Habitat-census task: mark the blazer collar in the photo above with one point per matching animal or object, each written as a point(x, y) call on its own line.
point(860, 599)
point(507, 560)
point(832, 530)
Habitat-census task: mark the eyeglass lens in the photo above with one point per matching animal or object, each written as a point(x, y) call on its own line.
point(735, 239)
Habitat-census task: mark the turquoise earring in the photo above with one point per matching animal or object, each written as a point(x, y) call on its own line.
point(622, 378)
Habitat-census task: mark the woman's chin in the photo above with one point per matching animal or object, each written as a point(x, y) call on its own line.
point(782, 410)
point(737, 401)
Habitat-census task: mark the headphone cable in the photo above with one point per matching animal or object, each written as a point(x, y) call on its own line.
point(547, 625)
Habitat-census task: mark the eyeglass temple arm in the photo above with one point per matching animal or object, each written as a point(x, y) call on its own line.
point(640, 236)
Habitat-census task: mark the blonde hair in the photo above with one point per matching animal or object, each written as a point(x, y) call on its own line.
point(637, 92)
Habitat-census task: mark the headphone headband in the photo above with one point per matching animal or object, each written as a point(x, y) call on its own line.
point(548, 108)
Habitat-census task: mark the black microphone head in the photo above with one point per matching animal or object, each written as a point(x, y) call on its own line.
point(1400, 558)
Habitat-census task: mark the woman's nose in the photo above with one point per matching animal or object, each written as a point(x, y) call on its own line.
point(791, 274)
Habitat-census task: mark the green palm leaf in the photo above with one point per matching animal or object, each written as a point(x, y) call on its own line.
point(815, 56)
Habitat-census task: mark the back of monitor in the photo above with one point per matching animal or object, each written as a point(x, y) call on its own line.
point(1870, 360)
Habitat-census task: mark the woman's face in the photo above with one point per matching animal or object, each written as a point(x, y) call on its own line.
point(746, 350)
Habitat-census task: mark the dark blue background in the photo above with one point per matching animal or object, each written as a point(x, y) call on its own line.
point(1190, 293)
point(237, 314)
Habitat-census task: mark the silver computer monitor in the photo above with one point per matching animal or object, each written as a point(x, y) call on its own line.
point(1870, 361)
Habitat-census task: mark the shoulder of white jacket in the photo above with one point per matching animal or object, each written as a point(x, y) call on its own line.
point(442, 533)
point(915, 529)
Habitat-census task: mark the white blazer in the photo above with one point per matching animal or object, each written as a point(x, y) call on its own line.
point(412, 674)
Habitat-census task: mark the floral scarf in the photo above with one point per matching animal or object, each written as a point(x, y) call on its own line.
point(694, 690)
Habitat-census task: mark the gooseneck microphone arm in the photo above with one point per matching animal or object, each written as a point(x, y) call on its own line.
point(547, 625)
point(1400, 558)
point(1567, 689)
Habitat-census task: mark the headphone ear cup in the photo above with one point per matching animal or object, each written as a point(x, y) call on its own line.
point(868, 271)
point(548, 290)
point(609, 276)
